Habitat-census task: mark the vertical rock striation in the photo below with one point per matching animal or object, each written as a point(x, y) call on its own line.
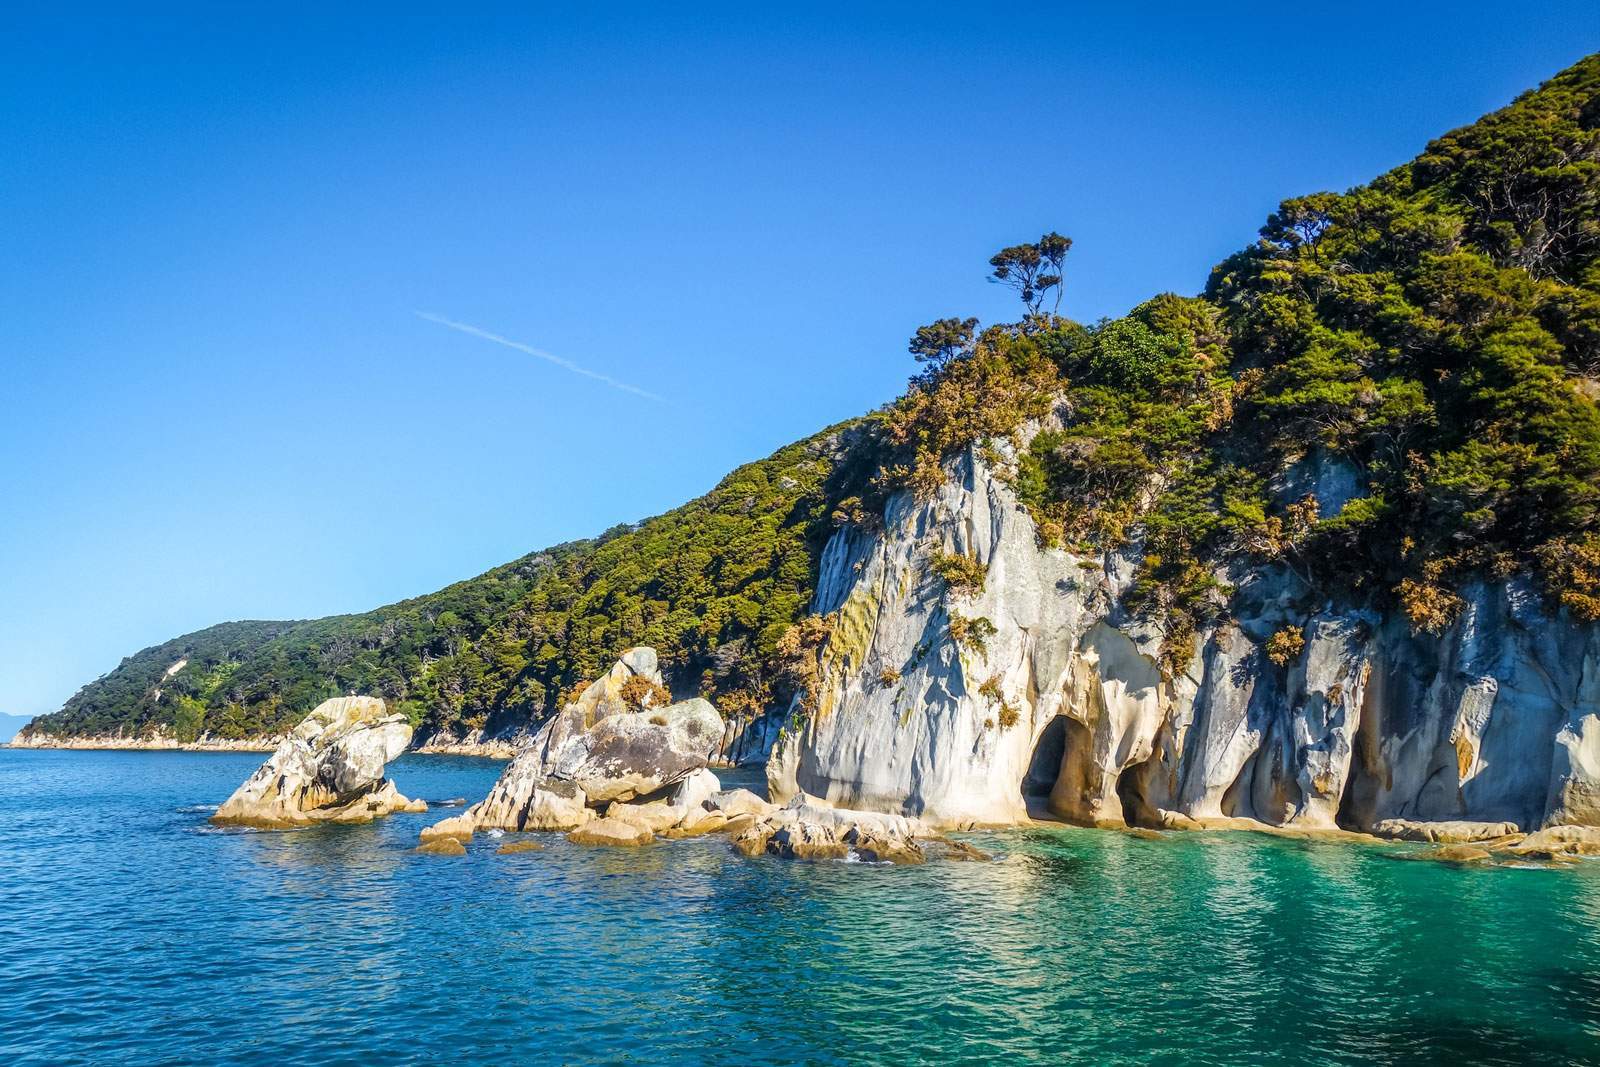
point(1495, 720)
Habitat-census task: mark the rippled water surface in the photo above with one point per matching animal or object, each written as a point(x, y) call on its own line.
point(131, 932)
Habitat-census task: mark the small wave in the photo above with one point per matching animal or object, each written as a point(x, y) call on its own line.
point(497, 832)
point(197, 809)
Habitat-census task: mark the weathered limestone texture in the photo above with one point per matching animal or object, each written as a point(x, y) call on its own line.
point(1496, 720)
point(329, 769)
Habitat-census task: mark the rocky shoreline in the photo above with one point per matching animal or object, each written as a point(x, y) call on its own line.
point(487, 748)
point(159, 742)
point(156, 743)
point(1032, 683)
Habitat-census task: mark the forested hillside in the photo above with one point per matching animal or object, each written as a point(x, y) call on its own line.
point(1432, 338)
point(713, 585)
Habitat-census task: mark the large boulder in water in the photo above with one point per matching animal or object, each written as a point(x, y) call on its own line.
point(524, 799)
point(329, 769)
point(634, 754)
point(614, 742)
point(808, 829)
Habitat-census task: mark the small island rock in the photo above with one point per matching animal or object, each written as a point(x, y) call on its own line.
point(329, 769)
point(443, 846)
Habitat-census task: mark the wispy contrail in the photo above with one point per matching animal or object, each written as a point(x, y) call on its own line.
point(549, 357)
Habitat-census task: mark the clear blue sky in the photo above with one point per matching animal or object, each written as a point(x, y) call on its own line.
point(219, 400)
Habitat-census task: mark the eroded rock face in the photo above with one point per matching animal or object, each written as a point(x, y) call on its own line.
point(1497, 720)
point(599, 750)
point(329, 769)
point(633, 754)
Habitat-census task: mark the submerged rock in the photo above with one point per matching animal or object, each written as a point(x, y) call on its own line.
point(1461, 853)
point(525, 845)
point(948, 848)
point(443, 846)
point(329, 769)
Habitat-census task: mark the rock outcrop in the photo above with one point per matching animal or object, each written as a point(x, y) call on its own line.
point(605, 750)
point(329, 769)
point(1552, 846)
point(807, 830)
point(613, 832)
point(1066, 705)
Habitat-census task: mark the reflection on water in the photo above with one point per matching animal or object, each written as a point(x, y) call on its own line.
point(131, 931)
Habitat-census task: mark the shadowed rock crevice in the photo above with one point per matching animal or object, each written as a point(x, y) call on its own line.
point(1131, 792)
point(1044, 765)
point(1075, 796)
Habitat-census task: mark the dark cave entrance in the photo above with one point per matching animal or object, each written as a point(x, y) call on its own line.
point(1136, 810)
point(1044, 766)
point(1363, 783)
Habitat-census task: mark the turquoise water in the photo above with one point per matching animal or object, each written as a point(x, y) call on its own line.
point(132, 932)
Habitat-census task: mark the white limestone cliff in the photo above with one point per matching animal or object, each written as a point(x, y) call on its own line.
point(1495, 720)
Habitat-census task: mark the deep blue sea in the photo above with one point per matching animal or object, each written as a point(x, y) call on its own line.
point(131, 932)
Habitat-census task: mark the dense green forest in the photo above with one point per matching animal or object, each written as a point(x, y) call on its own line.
point(1434, 334)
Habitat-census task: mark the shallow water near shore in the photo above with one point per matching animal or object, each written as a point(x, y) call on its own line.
point(133, 932)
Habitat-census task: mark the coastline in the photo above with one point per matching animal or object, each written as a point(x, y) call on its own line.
point(1455, 841)
point(485, 749)
point(144, 744)
point(164, 743)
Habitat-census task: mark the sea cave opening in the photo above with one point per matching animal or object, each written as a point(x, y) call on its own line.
point(1136, 810)
point(1044, 766)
